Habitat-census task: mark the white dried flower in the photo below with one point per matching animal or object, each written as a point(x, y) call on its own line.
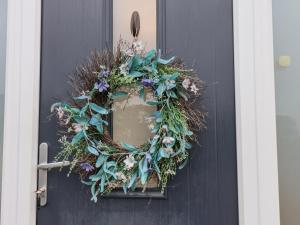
point(168, 140)
point(156, 137)
point(171, 172)
point(138, 47)
point(194, 88)
point(129, 162)
point(60, 113)
point(151, 126)
point(78, 127)
point(62, 139)
point(129, 52)
point(149, 119)
point(121, 176)
point(168, 150)
point(165, 128)
point(186, 83)
point(124, 69)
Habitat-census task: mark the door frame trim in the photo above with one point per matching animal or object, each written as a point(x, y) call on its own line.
point(255, 113)
point(21, 116)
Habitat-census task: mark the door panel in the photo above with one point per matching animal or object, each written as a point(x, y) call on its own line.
point(205, 192)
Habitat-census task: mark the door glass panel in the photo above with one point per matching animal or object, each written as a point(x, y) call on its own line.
point(130, 124)
point(286, 20)
point(3, 7)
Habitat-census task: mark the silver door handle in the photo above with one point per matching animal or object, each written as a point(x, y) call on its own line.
point(43, 168)
point(49, 166)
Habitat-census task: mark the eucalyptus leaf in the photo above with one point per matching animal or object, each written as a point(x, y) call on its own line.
point(77, 137)
point(81, 119)
point(153, 103)
point(129, 147)
point(189, 133)
point(142, 93)
point(92, 150)
point(183, 164)
point(84, 109)
point(163, 153)
point(119, 94)
point(102, 183)
point(183, 95)
point(99, 127)
point(161, 88)
point(136, 74)
point(101, 159)
point(93, 191)
point(82, 97)
point(98, 109)
point(132, 180)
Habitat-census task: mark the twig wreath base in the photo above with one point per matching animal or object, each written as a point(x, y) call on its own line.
point(105, 165)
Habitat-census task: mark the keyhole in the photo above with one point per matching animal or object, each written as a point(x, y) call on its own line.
point(135, 24)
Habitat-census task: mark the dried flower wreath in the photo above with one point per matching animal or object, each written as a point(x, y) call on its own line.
point(106, 165)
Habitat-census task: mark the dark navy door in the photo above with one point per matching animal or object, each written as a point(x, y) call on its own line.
point(201, 31)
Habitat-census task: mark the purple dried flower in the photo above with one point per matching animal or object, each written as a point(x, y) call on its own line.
point(87, 167)
point(101, 86)
point(147, 82)
point(103, 74)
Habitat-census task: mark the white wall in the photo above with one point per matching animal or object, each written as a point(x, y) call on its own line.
point(286, 20)
point(3, 7)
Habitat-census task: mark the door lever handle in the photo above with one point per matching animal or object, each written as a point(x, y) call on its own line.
point(49, 166)
point(43, 168)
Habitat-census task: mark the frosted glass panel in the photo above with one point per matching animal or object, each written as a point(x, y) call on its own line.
point(286, 19)
point(130, 124)
point(123, 10)
point(131, 119)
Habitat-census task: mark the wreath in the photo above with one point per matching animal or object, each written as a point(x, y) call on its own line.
point(85, 136)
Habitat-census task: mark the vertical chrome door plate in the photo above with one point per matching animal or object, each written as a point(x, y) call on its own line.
point(42, 174)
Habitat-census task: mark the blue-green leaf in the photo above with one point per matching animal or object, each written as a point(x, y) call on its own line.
point(88, 183)
point(154, 103)
point(101, 159)
point(165, 61)
point(156, 168)
point(119, 94)
point(132, 180)
point(161, 88)
point(93, 191)
point(83, 110)
point(77, 137)
point(142, 93)
point(163, 153)
point(99, 127)
point(82, 97)
point(81, 119)
point(183, 95)
point(98, 109)
point(135, 74)
point(129, 147)
point(189, 133)
point(106, 170)
point(102, 183)
point(93, 150)
point(188, 145)
point(97, 176)
point(183, 164)
point(150, 55)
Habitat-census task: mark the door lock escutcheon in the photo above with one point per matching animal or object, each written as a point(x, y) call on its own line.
point(43, 168)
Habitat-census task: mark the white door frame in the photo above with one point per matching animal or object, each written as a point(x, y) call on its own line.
point(255, 113)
